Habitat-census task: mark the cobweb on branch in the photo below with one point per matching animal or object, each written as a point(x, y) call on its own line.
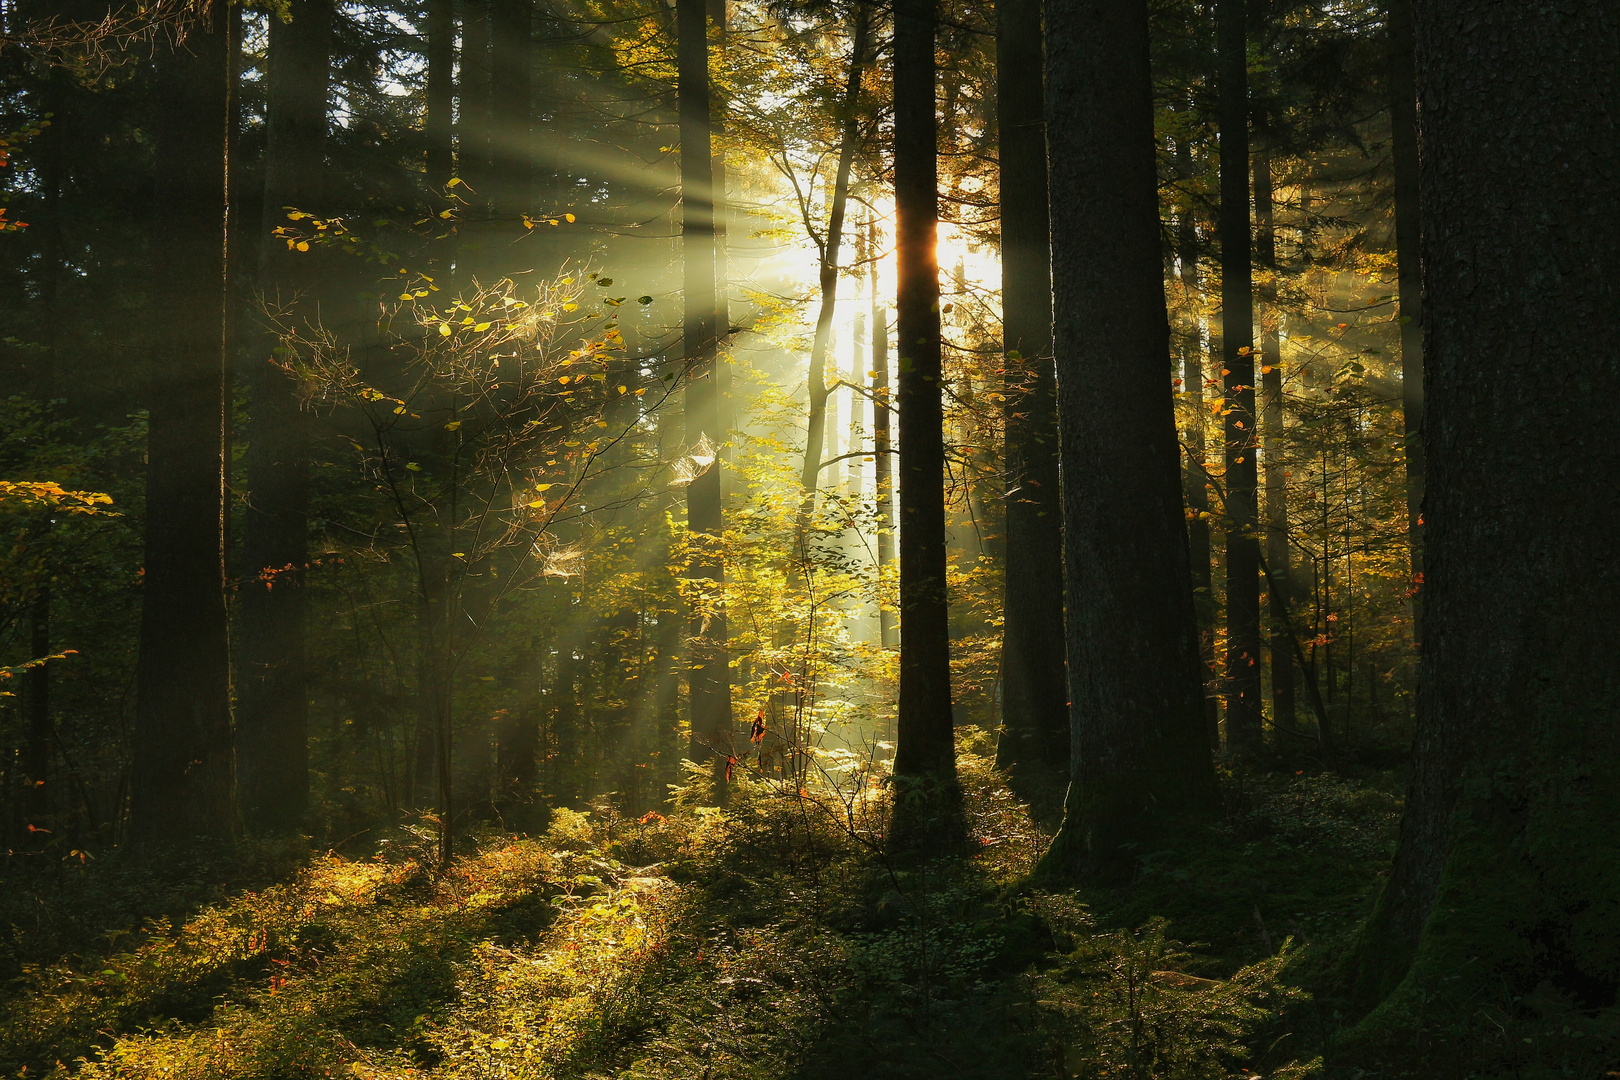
point(693, 464)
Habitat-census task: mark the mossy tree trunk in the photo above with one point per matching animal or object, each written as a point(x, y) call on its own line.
point(1141, 757)
point(1507, 874)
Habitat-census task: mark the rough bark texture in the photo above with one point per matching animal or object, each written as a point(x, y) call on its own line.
point(1271, 433)
point(925, 751)
point(1141, 759)
point(708, 675)
point(1035, 698)
point(1243, 707)
point(1403, 131)
point(1505, 879)
point(182, 788)
point(273, 711)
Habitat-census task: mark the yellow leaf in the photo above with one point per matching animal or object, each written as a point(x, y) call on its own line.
point(303, 245)
point(413, 466)
point(444, 330)
point(570, 307)
point(454, 180)
point(622, 389)
point(568, 218)
point(446, 214)
point(452, 425)
point(481, 327)
point(543, 487)
point(535, 504)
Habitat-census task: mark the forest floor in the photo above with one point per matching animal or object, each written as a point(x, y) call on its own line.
point(770, 939)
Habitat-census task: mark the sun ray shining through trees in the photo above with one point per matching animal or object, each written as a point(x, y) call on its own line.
point(760, 538)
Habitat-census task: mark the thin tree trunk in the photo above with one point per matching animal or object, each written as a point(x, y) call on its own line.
point(1243, 705)
point(1278, 559)
point(927, 796)
point(1141, 759)
point(441, 62)
point(1403, 129)
point(1195, 481)
point(882, 468)
point(1035, 696)
point(183, 763)
point(708, 674)
point(849, 143)
point(273, 710)
point(1508, 864)
point(37, 754)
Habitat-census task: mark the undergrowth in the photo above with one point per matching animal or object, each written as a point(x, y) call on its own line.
point(772, 938)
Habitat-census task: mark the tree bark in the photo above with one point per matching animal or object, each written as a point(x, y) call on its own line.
point(1403, 130)
point(1035, 697)
point(182, 789)
point(1505, 875)
point(1243, 706)
point(273, 711)
point(1271, 430)
point(927, 796)
point(1141, 760)
point(708, 673)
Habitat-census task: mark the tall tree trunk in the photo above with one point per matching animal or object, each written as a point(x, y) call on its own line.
point(927, 796)
point(273, 711)
point(475, 94)
point(1141, 760)
point(1035, 709)
point(1508, 866)
point(708, 674)
point(1271, 430)
point(37, 754)
point(441, 63)
point(883, 467)
point(1195, 479)
point(511, 25)
point(1403, 129)
point(1243, 706)
point(183, 769)
point(849, 143)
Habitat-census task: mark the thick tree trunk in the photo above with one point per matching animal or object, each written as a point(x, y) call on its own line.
point(849, 143)
point(1243, 706)
point(708, 674)
point(1271, 432)
point(182, 787)
point(441, 63)
point(927, 795)
point(474, 133)
point(1035, 697)
point(1141, 760)
point(1403, 129)
point(273, 711)
point(511, 57)
point(1505, 880)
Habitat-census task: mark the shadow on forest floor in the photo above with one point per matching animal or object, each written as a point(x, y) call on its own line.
point(771, 939)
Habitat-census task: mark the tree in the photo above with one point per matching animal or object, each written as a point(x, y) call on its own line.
point(1243, 707)
point(1141, 758)
point(708, 671)
point(925, 746)
point(1505, 876)
point(273, 707)
point(1035, 728)
point(1281, 645)
point(1403, 136)
point(183, 767)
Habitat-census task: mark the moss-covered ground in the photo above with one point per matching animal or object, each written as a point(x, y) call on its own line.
point(771, 939)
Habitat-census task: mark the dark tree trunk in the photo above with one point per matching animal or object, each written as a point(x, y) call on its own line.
point(1271, 431)
point(927, 795)
point(1243, 706)
point(1035, 709)
point(273, 711)
point(883, 467)
point(511, 56)
point(183, 769)
point(848, 145)
point(708, 674)
point(37, 755)
point(441, 62)
point(474, 134)
point(1403, 129)
point(1505, 878)
point(1195, 481)
point(1141, 758)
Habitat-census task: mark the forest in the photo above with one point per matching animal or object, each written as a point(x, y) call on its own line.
point(766, 539)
